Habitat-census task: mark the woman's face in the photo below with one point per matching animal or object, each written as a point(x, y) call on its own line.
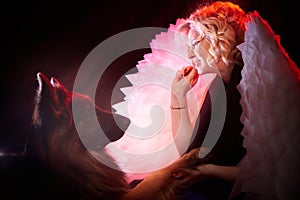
point(198, 52)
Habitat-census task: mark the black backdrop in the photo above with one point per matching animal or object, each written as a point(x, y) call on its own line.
point(54, 37)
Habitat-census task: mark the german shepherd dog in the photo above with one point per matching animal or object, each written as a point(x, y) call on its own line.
point(60, 146)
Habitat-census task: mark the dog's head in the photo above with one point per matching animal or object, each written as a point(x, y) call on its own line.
point(53, 109)
point(59, 144)
point(51, 103)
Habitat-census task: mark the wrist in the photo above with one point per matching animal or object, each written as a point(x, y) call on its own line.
point(178, 100)
point(180, 94)
point(206, 169)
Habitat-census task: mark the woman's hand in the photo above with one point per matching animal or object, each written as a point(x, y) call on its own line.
point(185, 177)
point(192, 172)
point(184, 80)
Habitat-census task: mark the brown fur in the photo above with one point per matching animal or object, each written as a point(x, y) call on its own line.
point(60, 145)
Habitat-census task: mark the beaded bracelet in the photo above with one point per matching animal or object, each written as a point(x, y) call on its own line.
point(177, 108)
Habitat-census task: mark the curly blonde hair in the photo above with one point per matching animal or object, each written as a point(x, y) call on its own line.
point(223, 24)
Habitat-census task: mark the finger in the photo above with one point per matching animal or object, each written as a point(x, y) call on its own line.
point(192, 77)
point(179, 75)
point(192, 72)
point(178, 189)
point(195, 79)
point(182, 70)
point(187, 70)
point(183, 184)
point(180, 173)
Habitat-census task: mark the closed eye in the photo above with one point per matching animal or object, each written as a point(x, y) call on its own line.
point(197, 41)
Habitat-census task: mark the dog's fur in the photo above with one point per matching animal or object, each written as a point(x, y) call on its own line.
point(60, 145)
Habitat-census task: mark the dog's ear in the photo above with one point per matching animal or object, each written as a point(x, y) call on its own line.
point(60, 93)
point(56, 84)
point(43, 98)
point(45, 89)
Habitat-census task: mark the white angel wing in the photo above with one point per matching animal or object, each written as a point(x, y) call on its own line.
point(270, 89)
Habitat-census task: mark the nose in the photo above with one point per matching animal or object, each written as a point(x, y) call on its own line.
point(191, 53)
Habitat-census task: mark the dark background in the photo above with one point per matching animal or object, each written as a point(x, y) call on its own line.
point(55, 37)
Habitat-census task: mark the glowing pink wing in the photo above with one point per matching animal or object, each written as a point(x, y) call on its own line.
point(148, 143)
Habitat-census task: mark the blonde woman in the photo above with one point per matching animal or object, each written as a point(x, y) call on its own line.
point(213, 31)
point(256, 70)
